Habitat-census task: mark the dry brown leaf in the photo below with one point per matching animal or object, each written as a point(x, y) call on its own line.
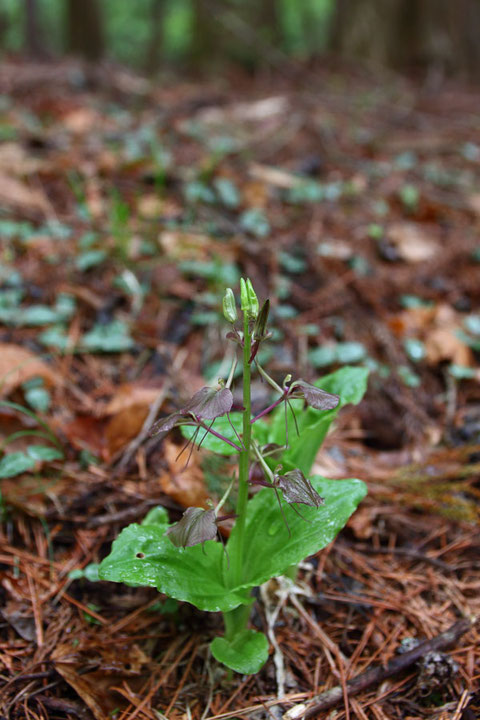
point(274, 176)
point(96, 687)
point(413, 243)
point(17, 194)
point(362, 522)
point(185, 486)
point(124, 427)
point(150, 206)
point(412, 321)
point(18, 365)
point(84, 433)
point(184, 246)
point(81, 120)
point(255, 194)
point(130, 394)
point(474, 203)
point(14, 160)
point(443, 344)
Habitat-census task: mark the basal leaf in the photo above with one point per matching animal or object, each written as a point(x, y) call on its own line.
point(246, 653)
point(142, 555)
point(269, 548)
point(156, 516)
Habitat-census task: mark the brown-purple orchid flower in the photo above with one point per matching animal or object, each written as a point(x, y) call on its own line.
point(208, 403)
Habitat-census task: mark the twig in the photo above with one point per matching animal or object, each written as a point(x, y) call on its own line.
point(376, 675)
point(407, 552)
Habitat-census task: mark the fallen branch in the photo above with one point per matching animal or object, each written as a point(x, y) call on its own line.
point(376, 675)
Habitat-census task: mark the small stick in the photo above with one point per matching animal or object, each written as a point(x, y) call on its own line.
point(376, 675)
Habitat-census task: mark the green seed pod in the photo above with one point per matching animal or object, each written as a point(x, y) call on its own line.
point(229, 307)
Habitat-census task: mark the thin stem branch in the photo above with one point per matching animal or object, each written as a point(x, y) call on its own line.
point(264, 465)
point(267, 377)
point(201, 424)
point(228, 384)
point(268, 409)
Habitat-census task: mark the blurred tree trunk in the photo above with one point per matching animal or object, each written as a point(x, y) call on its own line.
point(432, 35)
point(33, 39)
point(85, 29)
point(245, 32)
point(269, 21)
point(206, 34)
point(154, 52)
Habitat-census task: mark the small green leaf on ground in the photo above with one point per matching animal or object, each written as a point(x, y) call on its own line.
point(246, 653)
point(14, 464)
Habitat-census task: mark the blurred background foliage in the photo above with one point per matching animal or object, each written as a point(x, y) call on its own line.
point(438, 36)
point(145, 34)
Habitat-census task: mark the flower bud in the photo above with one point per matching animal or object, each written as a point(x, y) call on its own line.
point(229, 307)
point(249, 300)
point(254, 306)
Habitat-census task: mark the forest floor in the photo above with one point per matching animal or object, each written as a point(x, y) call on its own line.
point(126, 208)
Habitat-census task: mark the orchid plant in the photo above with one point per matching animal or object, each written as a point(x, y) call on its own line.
point(276, 449)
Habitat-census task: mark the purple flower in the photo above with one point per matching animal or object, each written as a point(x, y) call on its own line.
point(318, 399)
point(207, 404)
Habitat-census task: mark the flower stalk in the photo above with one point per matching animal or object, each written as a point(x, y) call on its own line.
point(236, 619)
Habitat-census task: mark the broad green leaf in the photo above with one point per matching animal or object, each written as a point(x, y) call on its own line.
point(348, 382)
point(156, 516)
point(246, 653)
point(42, 452)
point(261, 431)
point(142, 555)
point(222, 426)
point(14, 464)
point(303, 448)
point(269, 548)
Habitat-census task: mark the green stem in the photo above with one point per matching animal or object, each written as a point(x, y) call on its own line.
point(236, 619)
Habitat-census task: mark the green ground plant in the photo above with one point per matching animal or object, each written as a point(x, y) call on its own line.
point(276, 449)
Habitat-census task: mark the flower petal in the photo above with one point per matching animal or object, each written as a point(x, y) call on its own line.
point(296, 488)
point(318, 399)
point(209, 403)
point(165, 424)
point(196, 526)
